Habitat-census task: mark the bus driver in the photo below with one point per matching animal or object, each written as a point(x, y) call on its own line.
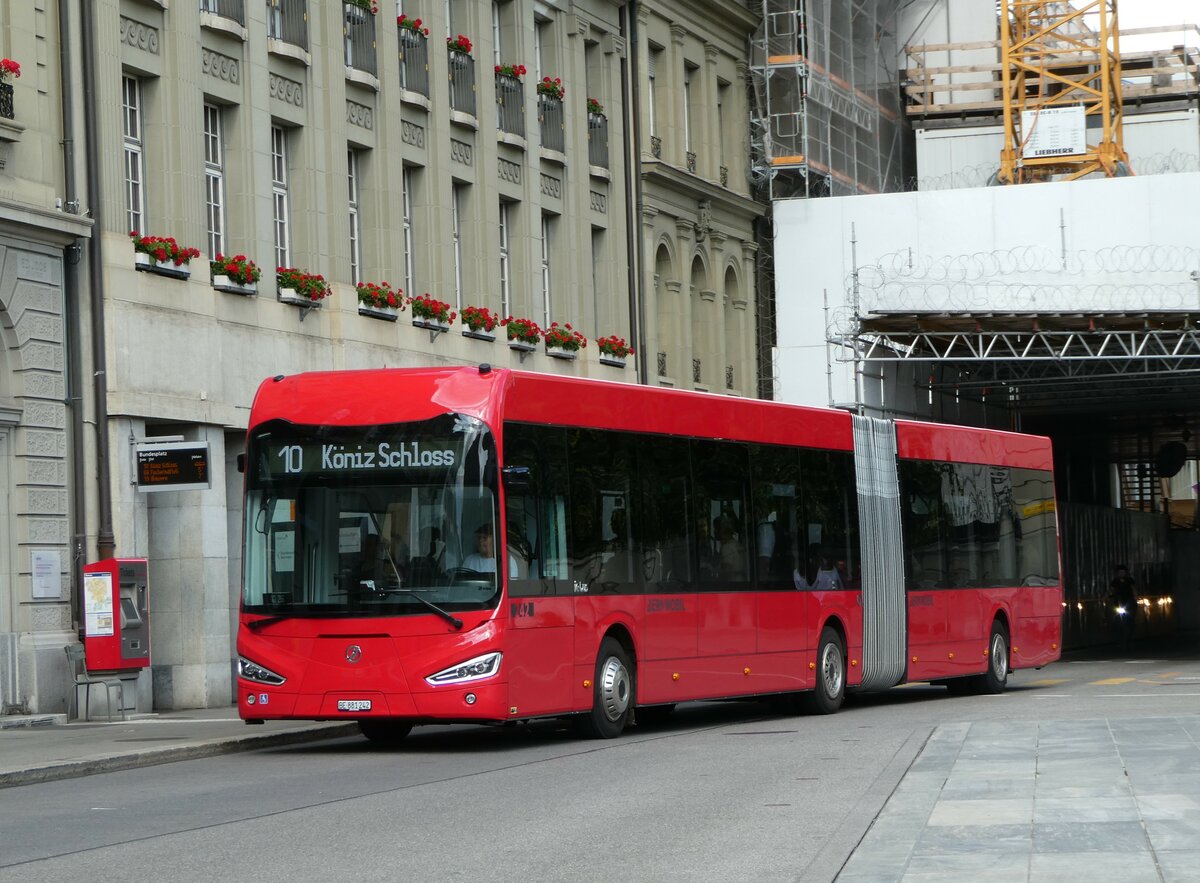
point(483, 559)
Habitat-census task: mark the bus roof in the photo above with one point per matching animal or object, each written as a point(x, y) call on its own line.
point(394, 395)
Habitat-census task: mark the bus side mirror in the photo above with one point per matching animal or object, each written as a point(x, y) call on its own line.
point(517, 478)
point(241, 463)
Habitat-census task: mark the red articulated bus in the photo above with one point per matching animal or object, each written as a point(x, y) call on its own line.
point(470, 544)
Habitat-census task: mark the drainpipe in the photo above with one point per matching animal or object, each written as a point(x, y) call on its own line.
point(71, 254)
point(633, 185)
point(104, 532)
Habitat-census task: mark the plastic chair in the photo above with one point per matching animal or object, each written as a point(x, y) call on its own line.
point(83, 678)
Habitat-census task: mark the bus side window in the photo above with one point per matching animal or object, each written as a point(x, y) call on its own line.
point(721, 471)
point(665, 526)
point(776, 516)
point(603, 515)
point(536, 515)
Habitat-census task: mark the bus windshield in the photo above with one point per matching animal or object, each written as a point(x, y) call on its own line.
point(370, 520)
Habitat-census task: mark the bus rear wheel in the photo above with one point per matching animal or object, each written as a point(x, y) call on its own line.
point(612, 693)
point(995, 679)
point(383, 731)
point(830, 688)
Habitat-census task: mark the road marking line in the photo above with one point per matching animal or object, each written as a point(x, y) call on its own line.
point(1112, 682)
point(1049, 682)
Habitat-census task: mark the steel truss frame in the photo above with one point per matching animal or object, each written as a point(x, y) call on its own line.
point(1133, 359)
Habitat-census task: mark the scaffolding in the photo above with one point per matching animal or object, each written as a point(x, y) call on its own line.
point(826, 118)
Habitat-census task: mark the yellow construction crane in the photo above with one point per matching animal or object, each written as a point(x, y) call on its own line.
point(1061, 68)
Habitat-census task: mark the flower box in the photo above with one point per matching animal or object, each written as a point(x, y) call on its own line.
point(430, 324)
point(300, 288)
point(430, 313)
point(522, 346)
point(558, 352)
point(479, 323)
point(161, 268)
point(389, 314)
point(162, 255)
point(296, 299)
point(222, 282)
point(613, 350)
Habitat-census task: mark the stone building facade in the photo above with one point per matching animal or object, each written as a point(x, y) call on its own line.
point(338, 140)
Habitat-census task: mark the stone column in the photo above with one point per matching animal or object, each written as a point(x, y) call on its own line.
point(708, 159)
point(750, 332)
point(671, 100)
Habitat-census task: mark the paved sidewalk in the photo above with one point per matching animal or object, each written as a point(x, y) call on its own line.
point(43, 747)
point(1050, 802)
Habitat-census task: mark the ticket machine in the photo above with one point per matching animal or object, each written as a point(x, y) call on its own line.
point(116, 614)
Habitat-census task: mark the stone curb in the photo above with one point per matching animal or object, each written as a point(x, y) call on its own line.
point(153, 757)
point(828, 863)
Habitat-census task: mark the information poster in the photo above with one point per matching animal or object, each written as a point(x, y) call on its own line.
point(46, 565)
point(1053, 131)
point(97, 605)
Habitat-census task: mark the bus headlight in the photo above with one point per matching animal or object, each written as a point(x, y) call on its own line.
point(252, 671)
point(472, 670)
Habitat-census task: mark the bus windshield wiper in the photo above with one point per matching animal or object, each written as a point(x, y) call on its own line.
point(444, 614)
point(256, 624)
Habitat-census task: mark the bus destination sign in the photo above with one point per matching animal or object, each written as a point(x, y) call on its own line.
point(172, 466)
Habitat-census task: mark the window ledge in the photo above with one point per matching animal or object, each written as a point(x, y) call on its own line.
point(466, 120)
point(275, 46)
point(510, 138)
point(215, 22)
point(10, 134)
point(600, 172)
point(354, 75)
point(416, 99)
point(555, 156)
point(11, 130)
point(666, 381)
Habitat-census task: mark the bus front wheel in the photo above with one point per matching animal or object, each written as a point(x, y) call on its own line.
point(382, 731)
point(830, 688)
point(612, 693)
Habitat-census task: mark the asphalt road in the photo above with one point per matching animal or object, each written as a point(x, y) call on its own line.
point(724, 791)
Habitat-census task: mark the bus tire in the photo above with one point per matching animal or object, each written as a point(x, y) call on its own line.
point(384, 731)
point(995, 679)
point(612, 693)
point(830, 689)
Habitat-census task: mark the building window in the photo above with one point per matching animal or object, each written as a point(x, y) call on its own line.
point(135, 172)
point(456, 220)
point(409, 254)
point(652, 92)
point(214, 178)
point(497, 52)
point(541, 46)
point(505, 265)
point(279, 190)
point(355, 230)
point(547, 230)
point(688, 72)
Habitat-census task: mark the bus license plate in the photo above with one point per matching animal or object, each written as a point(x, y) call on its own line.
point(354, 705)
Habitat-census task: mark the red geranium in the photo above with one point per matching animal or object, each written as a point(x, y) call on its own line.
point(239, 268)
point(524, 330)
point(163, 249)
point(459, 44)
point(412, 24)
point(554, 88)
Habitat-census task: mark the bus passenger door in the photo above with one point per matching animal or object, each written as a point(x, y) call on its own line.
point(540, 634)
